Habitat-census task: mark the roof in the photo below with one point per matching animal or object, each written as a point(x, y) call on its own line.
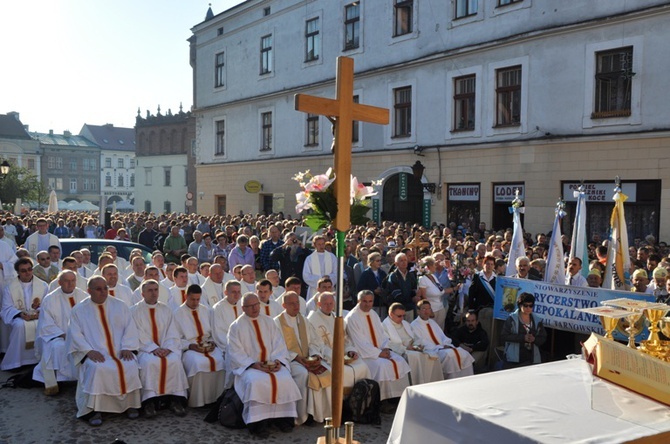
point(12, 128)
point(110, 137)
point(66, 139)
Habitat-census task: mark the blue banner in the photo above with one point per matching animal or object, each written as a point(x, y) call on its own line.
point(557, 304)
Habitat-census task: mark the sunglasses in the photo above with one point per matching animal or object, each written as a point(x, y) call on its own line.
point(528, 305)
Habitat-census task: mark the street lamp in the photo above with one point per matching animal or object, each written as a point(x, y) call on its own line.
point(4, 168)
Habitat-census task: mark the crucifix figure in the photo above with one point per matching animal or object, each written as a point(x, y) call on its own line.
point(343, 111)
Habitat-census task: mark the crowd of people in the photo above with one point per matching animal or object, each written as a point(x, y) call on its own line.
point(247, 302)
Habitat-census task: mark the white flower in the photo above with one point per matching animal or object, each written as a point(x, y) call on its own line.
point(360, 191)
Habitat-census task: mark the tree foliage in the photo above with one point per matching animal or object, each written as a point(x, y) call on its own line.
point(24, 184)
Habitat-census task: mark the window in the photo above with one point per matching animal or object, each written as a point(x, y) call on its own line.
point(508, 96)
point(402, 17)
point(73, 185)
point(614, 78)
point(147, 177)
point(73, 164)
point(51, 162)
point(132, 163)
point(108, 179)
point(312, 130)
point(93, 164)
point(508, 2)
point(220, 138)
point(402, 109)
point(108, 162)
point(31, 164)
point(266, 131)
point(120, 163)
point(59, 163)
point(219, 31)
point(56, 183)
point(355, 126)
point(465, 8)
point(119, 182)
point(85, 165)
point(312, 40)
point(147, 206)
point(266, 11)
point(167, 206)
point(167, 176)
point(132, 180)
point(94, 184)
point(86, 184)
point(464, 103)
point(352, 22)
point(59, 183)
point(219, 71)
point(266, 54)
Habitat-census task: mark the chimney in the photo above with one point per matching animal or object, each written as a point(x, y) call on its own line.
point(14, 114)
point(51, 132)
point(67, 133)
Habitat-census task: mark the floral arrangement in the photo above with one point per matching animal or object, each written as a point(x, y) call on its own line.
point(318, 199)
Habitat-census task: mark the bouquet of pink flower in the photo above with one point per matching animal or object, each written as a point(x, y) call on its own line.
point(318, 199)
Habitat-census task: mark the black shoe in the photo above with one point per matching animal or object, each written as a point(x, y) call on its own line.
point(258, 429)
point(134, 414)
point(149, 410)
point(95, 420)
point(387, 406)
point(285, 425)
point(177, 408)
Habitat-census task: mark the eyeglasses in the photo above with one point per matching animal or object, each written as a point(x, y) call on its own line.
point(25, 270)
point(252, 305)
point(528, 305)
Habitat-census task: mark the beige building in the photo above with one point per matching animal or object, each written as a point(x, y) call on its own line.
point(489, 97)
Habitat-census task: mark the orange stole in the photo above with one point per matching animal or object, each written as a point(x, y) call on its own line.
point(111, 292)
point(183, 296)
point(71, 301)
point(267, 310)
point(372, 331)
point(201, 333)
point(154, 336)
point(436, 342)
point(235, 310)
point(264, 356)
point(110, 348)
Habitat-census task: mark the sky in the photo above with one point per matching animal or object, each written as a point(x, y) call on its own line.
point(64, 63)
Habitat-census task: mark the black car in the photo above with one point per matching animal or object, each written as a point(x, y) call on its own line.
point(97, 247)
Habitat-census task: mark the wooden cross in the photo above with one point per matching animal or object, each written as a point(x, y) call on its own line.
point(344, 111)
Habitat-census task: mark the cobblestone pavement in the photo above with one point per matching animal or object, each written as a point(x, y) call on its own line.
point(28, 416)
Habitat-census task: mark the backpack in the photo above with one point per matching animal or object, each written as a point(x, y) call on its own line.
point(230, 410)
point(362, 405)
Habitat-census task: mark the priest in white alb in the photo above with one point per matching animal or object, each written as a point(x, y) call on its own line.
point(259, 360)
point(21, 300)
point(424, 367)
point(224, 313)
point(308, 369)
point(269, 306)
point(161, 370)
point(212, 288)
point(101, 339)
point(111, 274)
point(70, 263)
point(202, 359)
point(319, 264)
point(52, 327)
point(367, 334)
point(323, 322)
point(178, 290)
point(456, 362)
point(152, 272)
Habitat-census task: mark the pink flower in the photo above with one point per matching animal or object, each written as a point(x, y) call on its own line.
point(360, 191)
point(320, 182)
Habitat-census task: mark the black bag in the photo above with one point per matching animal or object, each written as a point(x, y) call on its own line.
point(362, 405)
point(22, 380)
point(230, 410)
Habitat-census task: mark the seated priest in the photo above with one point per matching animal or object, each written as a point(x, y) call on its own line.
point(101, 339)
point(323, 321)
point(202, 359)
point(161, 371)
point(310, 372)
point(21, 301)
point(366, 332)
point(424, 367)
point(260, 362)
point(224, 313)
point(52, 326)
point(456, 362)
point(116, 290)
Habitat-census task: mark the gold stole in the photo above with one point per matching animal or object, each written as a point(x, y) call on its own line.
point(315, 381)
point(30, 327)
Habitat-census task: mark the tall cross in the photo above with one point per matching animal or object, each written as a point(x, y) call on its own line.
point(344, 111)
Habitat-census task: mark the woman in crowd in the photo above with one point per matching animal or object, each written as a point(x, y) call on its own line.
point(523, 334)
